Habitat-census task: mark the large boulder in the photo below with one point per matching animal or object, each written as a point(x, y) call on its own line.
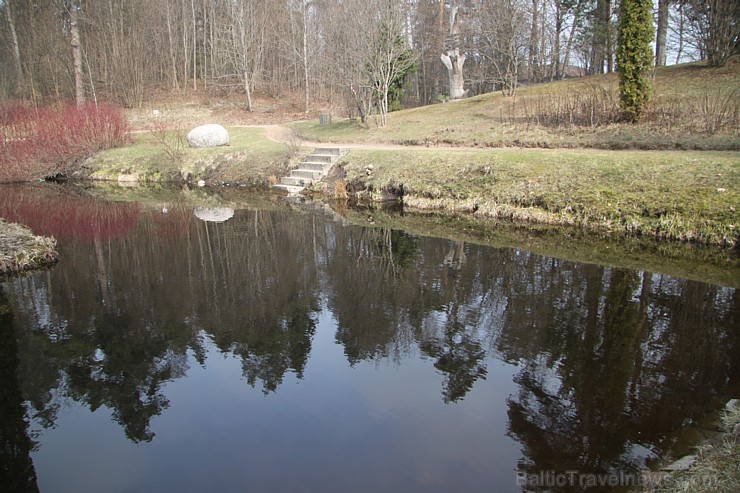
point(211, 135)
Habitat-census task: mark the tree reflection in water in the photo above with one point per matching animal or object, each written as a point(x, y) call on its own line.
point(608, 360)
point(17, 472)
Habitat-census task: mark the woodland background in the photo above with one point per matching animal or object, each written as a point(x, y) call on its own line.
point(330, 52)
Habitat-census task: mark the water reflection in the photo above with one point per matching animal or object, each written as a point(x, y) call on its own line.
point(608, 362)
point(17, 473)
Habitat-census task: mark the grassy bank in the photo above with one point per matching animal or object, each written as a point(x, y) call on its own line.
point(164, 155)
point(21, 250)
point(686, 196)
point(715, 469)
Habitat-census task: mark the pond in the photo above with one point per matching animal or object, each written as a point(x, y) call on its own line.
point(273, 347)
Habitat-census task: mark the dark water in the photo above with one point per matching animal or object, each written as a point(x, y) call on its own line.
point(283, 351)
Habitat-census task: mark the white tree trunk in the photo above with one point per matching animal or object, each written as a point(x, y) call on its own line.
point(248, 91)
point(454, 61)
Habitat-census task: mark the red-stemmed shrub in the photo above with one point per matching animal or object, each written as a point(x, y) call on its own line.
point(67, 214)
point(40, 142)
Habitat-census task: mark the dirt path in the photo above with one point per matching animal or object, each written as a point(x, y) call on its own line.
point(284, 135)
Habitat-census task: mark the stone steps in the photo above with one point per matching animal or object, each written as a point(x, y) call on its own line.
point(312, 169)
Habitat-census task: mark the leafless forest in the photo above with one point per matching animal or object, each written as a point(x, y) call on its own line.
point(360, 54)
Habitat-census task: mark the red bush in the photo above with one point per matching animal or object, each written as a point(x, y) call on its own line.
point(58, 212)
point(40, 142)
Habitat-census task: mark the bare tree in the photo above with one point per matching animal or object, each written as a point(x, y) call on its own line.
point(299, 12)
point(247, 31)
point(716, 24)
point(535, 36)
point(506, 39)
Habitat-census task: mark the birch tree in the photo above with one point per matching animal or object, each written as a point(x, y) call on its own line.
point(390, 58)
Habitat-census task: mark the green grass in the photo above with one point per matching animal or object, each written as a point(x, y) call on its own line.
point(250, 158)
point(677, 195)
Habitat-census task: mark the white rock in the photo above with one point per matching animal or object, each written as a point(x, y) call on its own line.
point(211, 135)
point(214, 214)
point(681, 464)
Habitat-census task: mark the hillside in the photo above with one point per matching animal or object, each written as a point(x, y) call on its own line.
point(694, 107)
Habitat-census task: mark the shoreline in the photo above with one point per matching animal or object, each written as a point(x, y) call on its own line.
point(711, 468)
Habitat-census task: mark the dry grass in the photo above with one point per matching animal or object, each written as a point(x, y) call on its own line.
point(21, 250)
point(190, 109)
point(694, 107)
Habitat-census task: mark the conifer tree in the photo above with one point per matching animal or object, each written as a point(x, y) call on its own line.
point(634, 56)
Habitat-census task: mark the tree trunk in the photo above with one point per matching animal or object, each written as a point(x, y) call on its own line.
point(534, 43)
point(454, 61)
point(556, 69)
point(609, 41)
point(74, 30)
point(601, 39)
point(358, 101)
point(305, 55)
point(662, 31)
point(195, 47)
point(681, 27)
point(20, 80)
point(248, 91)
point(173, 57)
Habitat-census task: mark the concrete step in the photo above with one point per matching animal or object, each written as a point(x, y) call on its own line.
point(296, 181)
point(323, 167)
point(321, 158)
point(288, 188)
point(334, 151)
point(307, 173)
